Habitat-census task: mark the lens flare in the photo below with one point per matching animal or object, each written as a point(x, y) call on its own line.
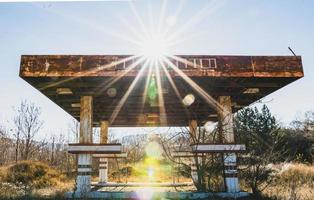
point(145, 193)
point(152, 89)
point(188, 100)
point(150, 172)
point(153, 150)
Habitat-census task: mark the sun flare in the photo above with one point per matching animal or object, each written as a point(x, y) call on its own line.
point(156, 43)
point(154, 47)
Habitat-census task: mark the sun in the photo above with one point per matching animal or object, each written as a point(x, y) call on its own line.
point(154, 47)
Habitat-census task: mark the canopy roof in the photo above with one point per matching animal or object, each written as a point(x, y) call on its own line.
point(64, 78)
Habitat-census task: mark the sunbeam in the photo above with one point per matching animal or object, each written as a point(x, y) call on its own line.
point(174, 16)
point(154, 43)
point(209, 99)
point(154, 47)
point(174, 87)
point(91, 24)
point(206, 10)
point(136, 34)
point(138, 18)
point(127, 93)
point(89, 72)
point(161, 103)
point(162, 15)
point(150, 17)
point(148, 78)
point(107, 84)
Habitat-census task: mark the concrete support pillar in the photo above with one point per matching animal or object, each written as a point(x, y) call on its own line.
point(227, 136)
point(83, 181)
point(193, 139)
point(103, 162)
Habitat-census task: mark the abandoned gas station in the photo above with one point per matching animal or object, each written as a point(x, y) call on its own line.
point(111, 91)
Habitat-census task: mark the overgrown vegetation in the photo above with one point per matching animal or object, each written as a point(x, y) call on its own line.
point(273, 165)
point(269, 144)
point(278, 163)
point(292, 182)
point(259, 131)
point(30, 175)
point(23, 178)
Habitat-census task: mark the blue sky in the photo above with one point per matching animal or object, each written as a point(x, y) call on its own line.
point(227, 27)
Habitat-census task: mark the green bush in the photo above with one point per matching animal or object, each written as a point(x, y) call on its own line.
point(29, 175)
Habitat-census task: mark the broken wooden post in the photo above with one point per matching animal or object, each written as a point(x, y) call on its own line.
point(103, 162)
point(226, 133)
point(83, 180)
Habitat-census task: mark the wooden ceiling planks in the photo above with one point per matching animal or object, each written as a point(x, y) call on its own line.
point(78, 75)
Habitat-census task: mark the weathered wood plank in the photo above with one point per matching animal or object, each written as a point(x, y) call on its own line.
point(89, 75)
point(110, 65)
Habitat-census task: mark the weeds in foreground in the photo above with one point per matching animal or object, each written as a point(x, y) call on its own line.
point(291, 182)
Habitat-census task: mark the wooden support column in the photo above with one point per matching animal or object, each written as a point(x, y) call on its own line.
point(83, 181)
point(225, 118)
point(193, 130)
point(103, 162)
point(193, 139)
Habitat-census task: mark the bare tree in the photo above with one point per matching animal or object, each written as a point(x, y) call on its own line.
point(5, 146)
point(73, 136)
point(53, 149)
point(27, 124)
point(135, 146)
point(208, 167)
point(74, 130)
point(58, 155)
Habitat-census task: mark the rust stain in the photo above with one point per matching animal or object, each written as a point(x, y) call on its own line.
point(68, 65)
point(217, 75)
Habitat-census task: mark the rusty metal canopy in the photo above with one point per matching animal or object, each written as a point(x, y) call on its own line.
point(64, 78)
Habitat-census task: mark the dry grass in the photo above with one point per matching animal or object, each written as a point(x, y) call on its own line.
point(55, 191)
point(45, 181)
point(292, 182)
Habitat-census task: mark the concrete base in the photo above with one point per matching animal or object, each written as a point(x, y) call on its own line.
point(103, 170)
point(232, 195)
point(148, 194)
point(139, 184)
